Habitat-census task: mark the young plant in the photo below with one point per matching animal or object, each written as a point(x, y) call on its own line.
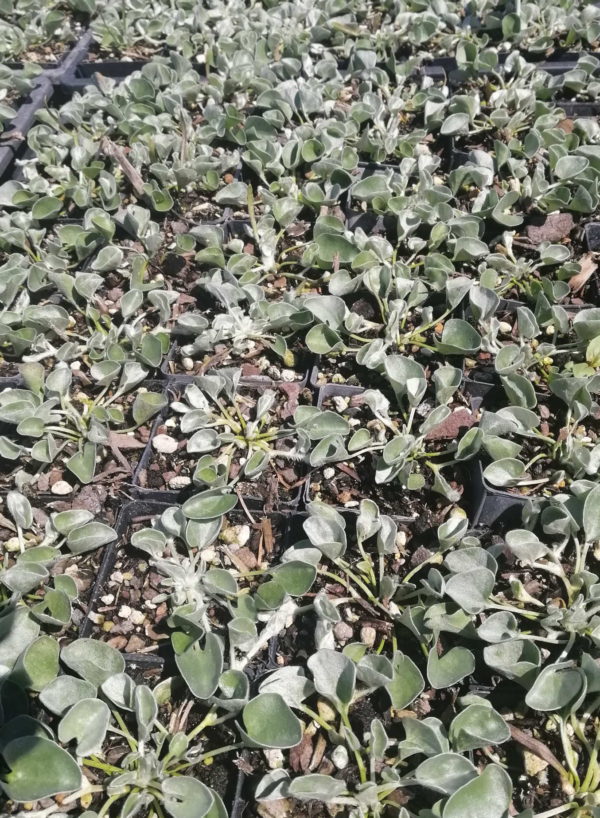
point(44, 419)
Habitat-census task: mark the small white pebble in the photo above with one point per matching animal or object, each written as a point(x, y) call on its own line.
point(351, 504)
point(328, 473)
point(108, 599)
point(164, 444)
point(343, 632)
point(137, 617)
point(124, 612)
point(187, 364)
point(274, 759)
point(61, 488)
point(339, 757)
point(288, 375)
point(237, 535)
point(340, 403)
point(12, 544)
point(368, 636)
point(96, 618)
point(179, 482)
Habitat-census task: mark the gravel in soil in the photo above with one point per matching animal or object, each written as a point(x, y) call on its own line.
point(126, 613)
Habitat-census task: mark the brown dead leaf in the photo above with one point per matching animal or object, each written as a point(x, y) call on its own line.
point(124, 441)
point(588, 268)
point(349, 471)
point(292, 393)
point(450, 428)
point(566, 125)
point(301, 754)
point(109, 148)
point(420, 555)
point(554, 227)
point(247, 558)
point(267, 532)
point(91, 497)
point(318, 752)
point(536, 747)
point(239, 563)
point(297, 229)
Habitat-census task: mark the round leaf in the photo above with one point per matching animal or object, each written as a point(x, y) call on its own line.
point(38, 768)
point(269, 722)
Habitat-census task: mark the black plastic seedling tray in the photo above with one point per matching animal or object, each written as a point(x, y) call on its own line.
point(173, 497)
point(491, 506)
point(70, 62)
point(579, 109)
point(129, 513)
point(11, 148)
point(304, 372)
point(238, 797)
point(114, 69)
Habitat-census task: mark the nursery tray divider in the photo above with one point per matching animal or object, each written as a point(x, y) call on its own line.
point(592, 239)
point(492, 507)
point(577, 109)
point(19, 126)
point(68, 65)
point(252, 381)
point(126, 514)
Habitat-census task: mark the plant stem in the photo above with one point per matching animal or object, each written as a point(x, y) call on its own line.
point(315, 717)
point(109, 802)
point(567, 648)
point(127, 735)
point(557, 810)
point(362, 770)
point(158, 808)
point(109, 769)
point(570, 755)
point(592, 776)
point(206, 756)
point(207, 721)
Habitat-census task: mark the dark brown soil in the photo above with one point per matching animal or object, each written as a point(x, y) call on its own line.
point(127, 593)
point(117, 462)
point(278, 484)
